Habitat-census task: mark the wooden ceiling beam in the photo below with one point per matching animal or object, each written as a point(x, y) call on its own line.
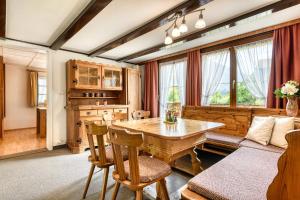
point(2, 18)
point(185, 8)
point(280, 5)
point(88, 13)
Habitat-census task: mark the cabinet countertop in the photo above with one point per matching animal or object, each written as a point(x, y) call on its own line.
point(100, 107)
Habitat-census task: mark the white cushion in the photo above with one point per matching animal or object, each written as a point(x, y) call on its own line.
point(261, 129)
point(282, 126)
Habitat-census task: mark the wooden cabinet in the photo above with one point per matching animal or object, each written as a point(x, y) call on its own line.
point(2, 95)
point(83, 75)
point(134, 96)
point(89, 87)
point(111, 78)
point(41, 121)
point(76, 133)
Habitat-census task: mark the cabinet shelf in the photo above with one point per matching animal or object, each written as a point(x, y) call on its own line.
point(93, 97)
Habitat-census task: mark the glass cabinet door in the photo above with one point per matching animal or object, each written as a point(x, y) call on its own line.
point(112, 78)
point(88, 77)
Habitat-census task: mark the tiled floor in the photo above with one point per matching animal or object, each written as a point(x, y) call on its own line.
point(20, 141)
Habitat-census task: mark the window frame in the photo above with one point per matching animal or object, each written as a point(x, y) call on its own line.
point(163, 61)
point(233, 63)
point(41, 74)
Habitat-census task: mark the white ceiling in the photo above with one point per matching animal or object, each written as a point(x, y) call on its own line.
point(211, 14)
point(42, 21)
point(25, 57)
point(273, 19)
point(118, 18)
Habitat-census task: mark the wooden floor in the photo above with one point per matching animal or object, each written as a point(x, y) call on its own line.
point(20, 142)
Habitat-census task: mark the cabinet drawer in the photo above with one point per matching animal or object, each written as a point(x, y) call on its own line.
point(103, 112)
point(120, 110)
point(85, 113)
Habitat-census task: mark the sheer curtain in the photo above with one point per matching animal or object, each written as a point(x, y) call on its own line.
point(254, 66)
point(171, 74)
point(213, 67)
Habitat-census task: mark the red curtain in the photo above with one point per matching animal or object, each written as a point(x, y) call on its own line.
point(193, 78)
point(285, 61)
point(151, 88)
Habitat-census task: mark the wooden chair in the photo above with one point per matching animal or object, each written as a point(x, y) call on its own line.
point(139, 171)
point(140, 114)
point(101, 155)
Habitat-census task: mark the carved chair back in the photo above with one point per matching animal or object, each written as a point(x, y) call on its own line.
point(122, 138)
point(96, 138)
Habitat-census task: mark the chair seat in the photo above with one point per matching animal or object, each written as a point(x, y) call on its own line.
point(252, 144)
point(150, 169)
point(221, 138)
point(110, 154)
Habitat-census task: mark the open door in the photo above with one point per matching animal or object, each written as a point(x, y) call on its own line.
point(1, 95)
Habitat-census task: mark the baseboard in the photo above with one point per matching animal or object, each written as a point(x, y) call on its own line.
point(17, 129)
point(23, 153)
point(62, 146)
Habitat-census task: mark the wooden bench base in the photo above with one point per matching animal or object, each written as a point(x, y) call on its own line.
point(187, 194)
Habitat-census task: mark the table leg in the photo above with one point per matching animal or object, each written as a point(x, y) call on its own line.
point(158, 194)
point(196, 162)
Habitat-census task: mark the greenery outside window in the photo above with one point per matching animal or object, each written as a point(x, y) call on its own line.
point(216, 78)
point(253, 72)
point(237, 74)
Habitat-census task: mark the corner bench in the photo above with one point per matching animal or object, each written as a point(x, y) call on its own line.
point(249, 173)
point(222, 144)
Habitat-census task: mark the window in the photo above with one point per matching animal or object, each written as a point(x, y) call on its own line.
point(42, 89)
point(172, 81)
point(253, 72)
point(216, 78)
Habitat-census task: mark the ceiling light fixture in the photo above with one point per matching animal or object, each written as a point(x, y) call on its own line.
point(168, 39)
point(183, 28)
point(200, 23)
point(175, 31)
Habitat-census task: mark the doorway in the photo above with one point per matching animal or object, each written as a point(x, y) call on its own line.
point(23, 98)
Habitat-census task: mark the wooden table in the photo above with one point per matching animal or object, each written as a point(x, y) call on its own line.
point(169, 142)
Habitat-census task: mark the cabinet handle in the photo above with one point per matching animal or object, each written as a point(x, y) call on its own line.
point(88, 113)
point(79, 140)
point(75, 67)
point(79, 123)
point(75, 81)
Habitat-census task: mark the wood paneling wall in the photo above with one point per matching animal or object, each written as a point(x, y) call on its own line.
point(236, 120)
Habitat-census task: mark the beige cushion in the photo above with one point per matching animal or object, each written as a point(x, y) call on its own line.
point(282, 126)
point(149, 168)
point(255, 145)
point(243, 175)
point(223, 139)
point(261, 130)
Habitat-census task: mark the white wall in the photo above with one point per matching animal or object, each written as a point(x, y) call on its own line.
point(18, 113)
point(56, 113)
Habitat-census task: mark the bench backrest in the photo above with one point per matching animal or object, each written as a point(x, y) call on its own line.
point(237, 120)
